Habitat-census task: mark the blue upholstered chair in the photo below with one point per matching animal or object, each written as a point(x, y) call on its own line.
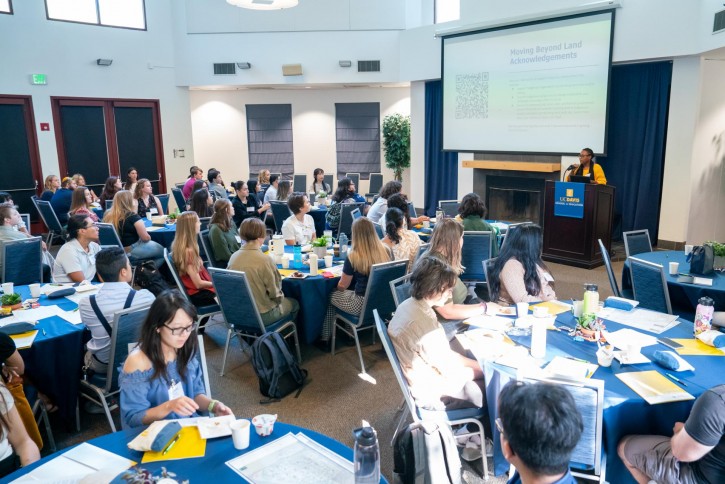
point(281, 212)
point(179, 198)
point(649, 285)
point(610, 271)
point(164, 199)
point(346, 217)
point(108, 236)
point(400, 288)
point(476, 248)
point(22, 261)
point(636, 242)
point(449, 207)
point(50, 219)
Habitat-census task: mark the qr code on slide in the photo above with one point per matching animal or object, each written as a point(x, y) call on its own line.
point(472, 95)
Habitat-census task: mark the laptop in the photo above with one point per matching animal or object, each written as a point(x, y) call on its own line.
point(580, 179)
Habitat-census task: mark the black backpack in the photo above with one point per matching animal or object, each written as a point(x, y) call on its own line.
point(148, 277)
point(277, 370)
point(426, 453)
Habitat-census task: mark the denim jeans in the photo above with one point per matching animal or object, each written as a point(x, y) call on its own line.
point(141, 251)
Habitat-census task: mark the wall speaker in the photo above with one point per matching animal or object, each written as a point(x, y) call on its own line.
point(345, 63)
point(292, 70)
point(104, 62)
point(244, 65)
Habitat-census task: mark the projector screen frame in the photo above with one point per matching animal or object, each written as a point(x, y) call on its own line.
point(509, 26)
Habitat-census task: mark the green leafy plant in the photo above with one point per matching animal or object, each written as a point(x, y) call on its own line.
point(10, 299)
point(396, 143)
point(320, 242)
point(587, 321)
point(717, 248)
point(322, 194)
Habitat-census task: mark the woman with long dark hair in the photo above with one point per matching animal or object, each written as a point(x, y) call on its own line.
point(284, 190)
point(345, 193)
point(318, 182)
point(404, 243)
point(245, 203)
point(81, 203)
point(112, 186)
point(519, 274)
point(162, 378)
point(202, 203)
point(131, 179)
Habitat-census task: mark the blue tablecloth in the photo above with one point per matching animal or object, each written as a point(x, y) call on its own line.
point(53, 362)
point(163, 235)
point(625, 412)
point(212, 466)
point(683, 297)
point(318, 215)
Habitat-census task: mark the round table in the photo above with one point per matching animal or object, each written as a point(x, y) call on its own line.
point(218, 451)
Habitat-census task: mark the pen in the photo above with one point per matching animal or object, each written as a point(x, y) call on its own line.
point(168, 447)
point(576, 359)
point(44, 333)
point(677, 379)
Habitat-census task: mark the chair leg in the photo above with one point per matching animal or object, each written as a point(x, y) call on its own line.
point(226, 350)
point(403, 418)
point(297, 347)
point(108, 414)
point(359, 349)
point(334, 334)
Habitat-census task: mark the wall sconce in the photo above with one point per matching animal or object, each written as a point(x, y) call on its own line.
point(104, 62)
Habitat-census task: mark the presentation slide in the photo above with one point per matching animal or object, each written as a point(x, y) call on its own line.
point(539, 88)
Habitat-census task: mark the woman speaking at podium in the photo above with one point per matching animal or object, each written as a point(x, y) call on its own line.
point(588, 167)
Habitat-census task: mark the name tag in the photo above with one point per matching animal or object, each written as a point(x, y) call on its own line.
point(175, 390)
point(548, 277)
point(153, 211)
point(250, 209)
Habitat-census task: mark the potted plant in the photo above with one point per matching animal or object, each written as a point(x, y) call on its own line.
point(321, 197)
point(589, 327)
point(319, 246)
point(718, 250)
point(396, 143)
point(13, 301)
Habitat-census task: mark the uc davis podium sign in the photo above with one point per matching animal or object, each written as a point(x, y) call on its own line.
point(569, 200)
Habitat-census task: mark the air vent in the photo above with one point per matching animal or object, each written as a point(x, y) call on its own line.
point(719, 22)
point(368, 66)
point(225, 68)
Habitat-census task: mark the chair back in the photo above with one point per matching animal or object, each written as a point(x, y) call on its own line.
point(411, 210)
point(510, 230)
point(649, 285)
point(355, 177)
point(330, 181)
point(26, 220)
point(281, 212)
point(400, 288)
point(237, 301)
point(487, 266)
point(107, 236)
point(476, 248)
point(395, 364)
point(50, 219)
point(422, 250)
point(109, 204)
point(610, 271)
point(175, 274)
point(204, 223)
point(377, 294)
point(355, 214)
point(346, 217)
point(379, 230)
point(589, 397)
point(22, 261)
point(126, 331)
point(449, 207)
point(179, 198)
point(180, 185)
point(376, 183)
point(201, 358)
point(636, 242)
point(299, 183)
point(164, 199)
point(205, 245)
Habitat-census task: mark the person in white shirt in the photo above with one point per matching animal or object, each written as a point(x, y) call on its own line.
point(76, 259)
point(216, 184)
point(116, 294)
point(378, 209)
point(299, 228)
point(271, 193)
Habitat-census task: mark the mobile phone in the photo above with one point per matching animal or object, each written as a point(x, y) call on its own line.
point(668, 342)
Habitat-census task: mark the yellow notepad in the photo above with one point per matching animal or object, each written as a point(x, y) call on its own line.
point(189, 445)
point(695, 347)
point(24, 340)
point(554, 307)
point(654, 387)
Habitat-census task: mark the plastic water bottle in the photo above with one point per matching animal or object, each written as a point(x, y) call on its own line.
point(591, 299)
point(343, 245)
point(703, 315)
point(366, 455)
point(538, 337)
point(297, 251)
point(313, 264)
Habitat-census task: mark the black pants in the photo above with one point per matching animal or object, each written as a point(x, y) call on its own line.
point(204, 297)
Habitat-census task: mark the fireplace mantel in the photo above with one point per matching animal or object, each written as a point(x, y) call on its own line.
point(546, 167)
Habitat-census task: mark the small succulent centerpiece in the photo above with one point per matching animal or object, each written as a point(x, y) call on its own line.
point(589, 327)
point(321, 197)
point(12, 301)
point(718, 250)
point(319, 246)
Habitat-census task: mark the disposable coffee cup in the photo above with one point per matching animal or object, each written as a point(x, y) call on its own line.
point(35, 290)
point(328, 261)
point(688, 249)
point(604, 358)
point(285, 263)
point(522, 309)
point(577, 308)
point(426, 224)
point(673, 268)
point(240, 433)
point(540, 312)
point(8, 288)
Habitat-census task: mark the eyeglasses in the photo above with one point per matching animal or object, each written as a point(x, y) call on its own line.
point(182, 330)
point(499, 425)
point(94, 224)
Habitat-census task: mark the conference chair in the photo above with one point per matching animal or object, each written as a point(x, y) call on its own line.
point(40, 413)
point(346, 217)
point(280, 212)
point(203, 313)
point(422, 250)
point(476, 248)
point(411, 210)
point(201, 358)
point(355, 178)
point(376, 183)
point(241, 313)
point(26, 220)
point(103, 390)
point(378, 297)
point(205, 245)
point(50, 219)
point(22, 261)
point(299, 183)
point(179, 199)
point(449, 207)
point(400, 288)
point(589, 459)
point(109, 204)
point(610, 272)
point(108, 236)
point(330, 180)
point(462, 416)
point(379, 230)
point(649, 285)
point(164, 199)
point(636, 242)
point(180, 185)
point(204, 222)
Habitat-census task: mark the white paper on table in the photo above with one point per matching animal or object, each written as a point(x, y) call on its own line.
point(644, 319)
point(702, 281)
point(628, 337)
point(489, 322)
point(25, 341)
point(212, 428)
point(73, 317)
point(153, 228)
point(30, 315)
point(335, 269)
point(292, 458)
point(77, 463)
point(571, 369)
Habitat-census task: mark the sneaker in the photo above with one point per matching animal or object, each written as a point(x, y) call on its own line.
point(472, 449)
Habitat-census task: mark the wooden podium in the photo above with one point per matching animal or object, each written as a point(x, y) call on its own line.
point(573, 241)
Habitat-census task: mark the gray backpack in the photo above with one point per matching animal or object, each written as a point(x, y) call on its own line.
point(426, 453)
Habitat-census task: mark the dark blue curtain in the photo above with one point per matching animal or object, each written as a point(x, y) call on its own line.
point(441, 168)
point(636, 130)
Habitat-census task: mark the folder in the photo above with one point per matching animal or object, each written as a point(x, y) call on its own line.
point(189, 445)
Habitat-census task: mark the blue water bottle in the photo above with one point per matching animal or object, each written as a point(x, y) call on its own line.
point(343, 246)
point(366, 455)
point(297, 251)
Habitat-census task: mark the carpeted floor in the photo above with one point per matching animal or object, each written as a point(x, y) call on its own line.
point(335, 400)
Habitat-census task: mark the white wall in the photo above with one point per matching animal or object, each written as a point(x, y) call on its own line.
point(67, 53)
point(220, 128)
